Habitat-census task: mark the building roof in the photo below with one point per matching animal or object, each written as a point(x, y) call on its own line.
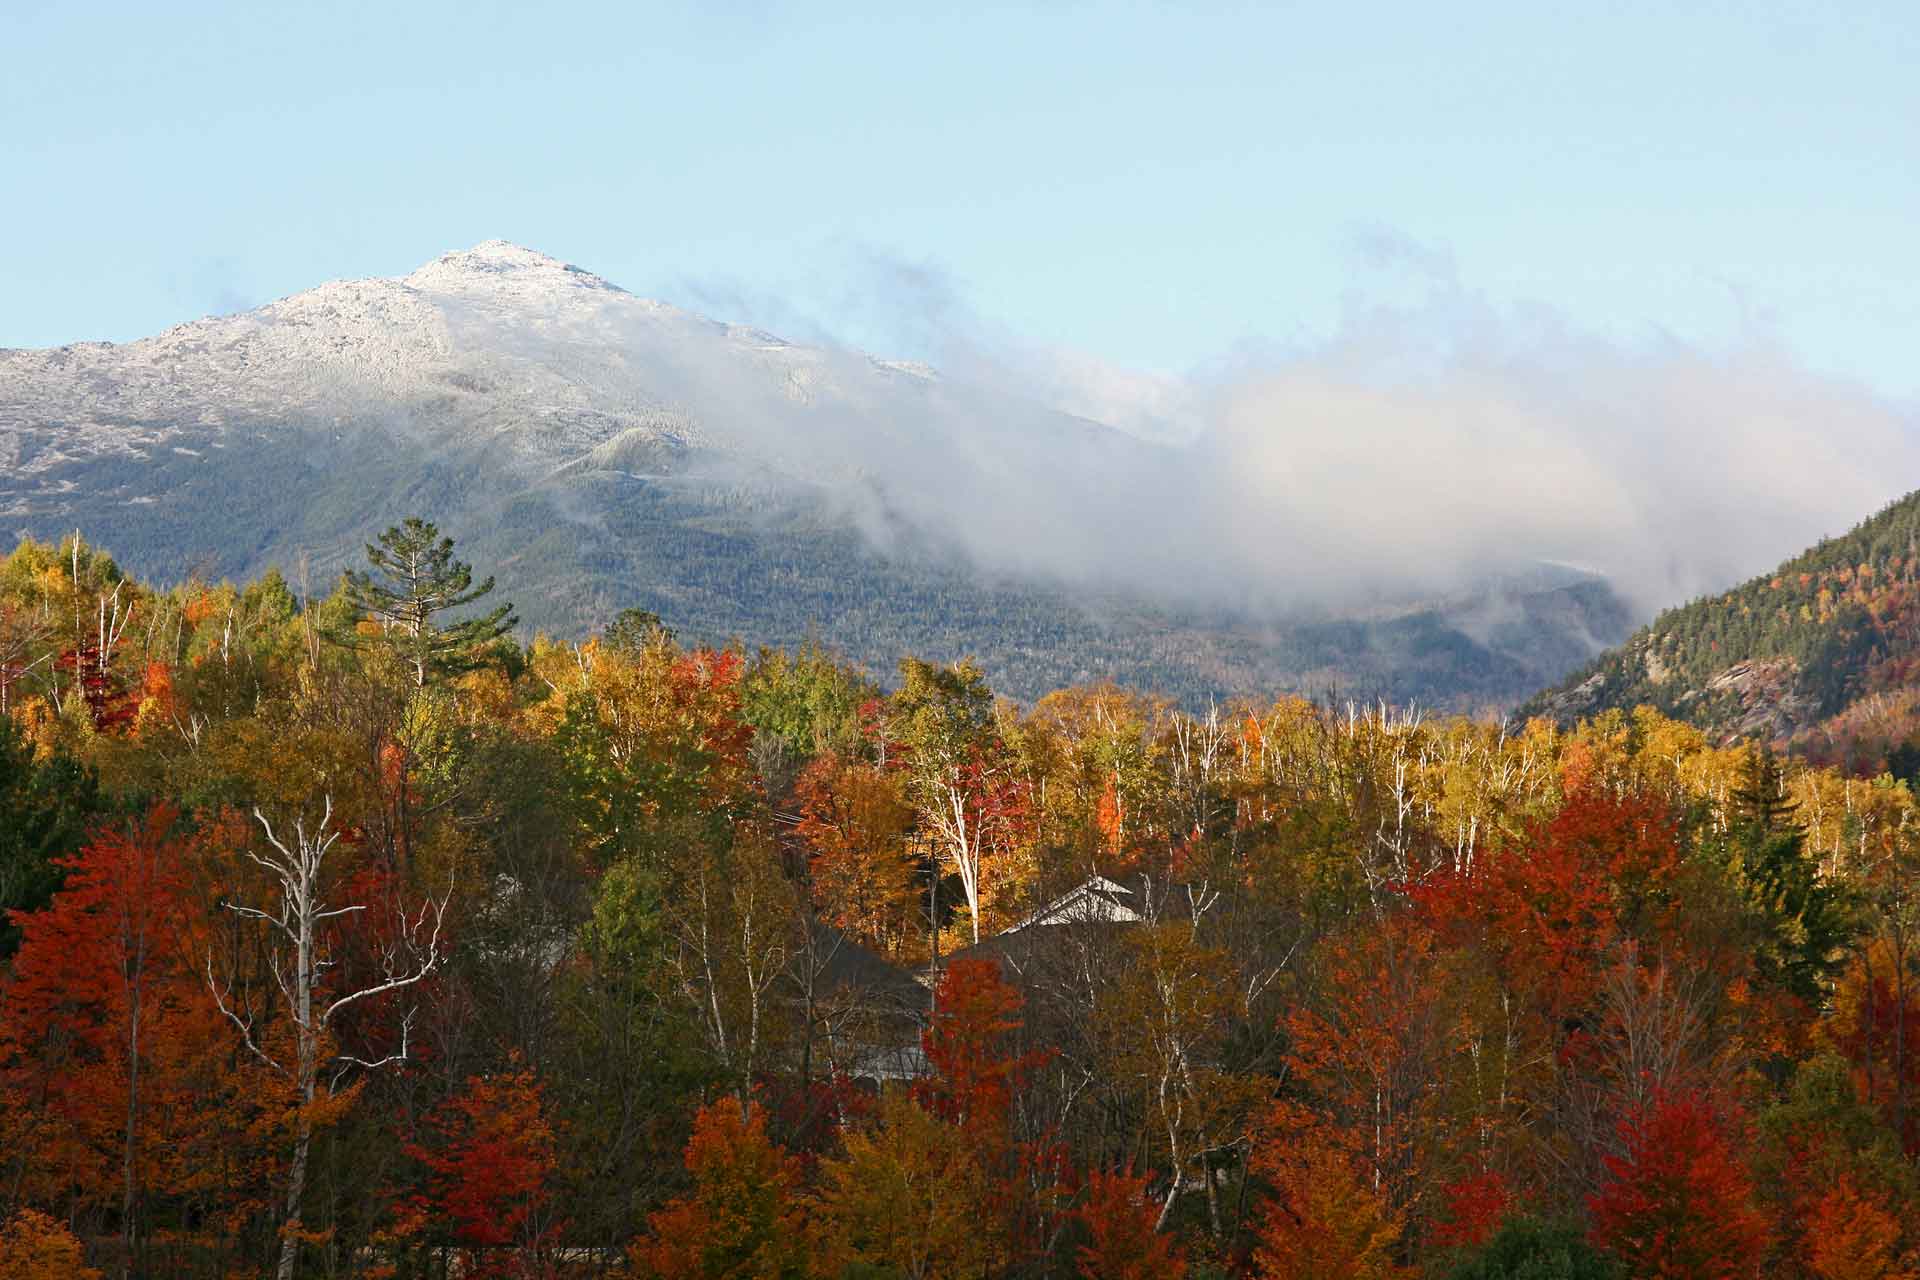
point(1101, 900)
point(847, 969)
point(1097, 900)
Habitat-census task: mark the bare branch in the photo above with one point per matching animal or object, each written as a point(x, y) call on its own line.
point(244, 1024)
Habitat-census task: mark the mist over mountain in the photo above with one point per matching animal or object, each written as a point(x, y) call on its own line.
point(1397, 513)
point(1434, 438)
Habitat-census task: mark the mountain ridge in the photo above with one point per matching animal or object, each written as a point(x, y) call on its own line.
point(1819, 654)
point(602, 449)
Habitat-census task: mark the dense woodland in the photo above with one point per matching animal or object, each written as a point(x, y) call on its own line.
point(351, 936)
point(1822, 652)
point(724, 550)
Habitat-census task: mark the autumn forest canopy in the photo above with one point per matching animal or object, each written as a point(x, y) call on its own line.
point(353, 933)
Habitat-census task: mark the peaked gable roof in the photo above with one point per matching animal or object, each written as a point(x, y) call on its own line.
point(1097, 901)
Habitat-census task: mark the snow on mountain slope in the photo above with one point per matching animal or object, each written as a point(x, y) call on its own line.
point(536, 360)
point(548, 369)
point(497, 342)
point(600, 449)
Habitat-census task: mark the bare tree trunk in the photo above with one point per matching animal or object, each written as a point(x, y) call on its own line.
point(1213, 1197)
point(127, 1232)
point(966, 852)
point(309, 1069)
point(291, 1229)
point(297, 972)
point(1175, 1161)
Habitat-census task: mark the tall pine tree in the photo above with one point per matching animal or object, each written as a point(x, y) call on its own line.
point(414, 579)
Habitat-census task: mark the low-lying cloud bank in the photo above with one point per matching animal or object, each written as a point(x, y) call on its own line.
point(1420, 449)
point(1669, 469)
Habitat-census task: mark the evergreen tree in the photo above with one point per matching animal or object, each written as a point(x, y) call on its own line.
point(634, 629)
point(1801, 918)
point(415, 578)
point(1760, 801)
point(1530, 1249)
point(1903, 762)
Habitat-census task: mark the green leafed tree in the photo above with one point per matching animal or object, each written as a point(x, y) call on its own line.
point(45, 804)
point(414, 580)
point(1529, 1249)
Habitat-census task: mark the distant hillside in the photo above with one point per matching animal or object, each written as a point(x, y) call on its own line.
point(1822, 653)
point(598, 450)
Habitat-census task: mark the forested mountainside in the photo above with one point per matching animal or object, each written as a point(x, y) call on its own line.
point(1821, 653)
point(350, 936)
point(602, 451)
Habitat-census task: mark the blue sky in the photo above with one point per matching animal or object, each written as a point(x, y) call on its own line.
point(1152, 184)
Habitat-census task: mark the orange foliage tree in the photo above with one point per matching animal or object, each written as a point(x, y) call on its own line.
point(1122, 1224)
point(107, 1036)
point(35, 1247)
point(910, 1196)
point(1326, 1220)
point(855, 818)
point(1854, 1233)
point(741, 1220)
point(1373, 1053)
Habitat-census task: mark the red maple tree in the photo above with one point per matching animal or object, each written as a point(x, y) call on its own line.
point(969, 1045)
point(1549, 906)
point(491, 1162)
point(1677, 1204)
point(1123, 1243)
point(1475, 1206)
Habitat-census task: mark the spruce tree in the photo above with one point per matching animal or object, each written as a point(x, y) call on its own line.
point(1802, 918)
point(632, 630)
point(1760, 801)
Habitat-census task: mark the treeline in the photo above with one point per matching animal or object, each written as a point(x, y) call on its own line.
point(750, 556)
point(350, 936)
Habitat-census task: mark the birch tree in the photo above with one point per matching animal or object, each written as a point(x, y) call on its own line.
point(1163, 1025)
point(731, 929)
point(300, 943)
point(963, 780)
point(23, 630)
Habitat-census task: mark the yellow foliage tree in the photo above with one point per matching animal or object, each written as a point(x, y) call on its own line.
point(909, 1197)
point(1325, 1221)
point(35, 1247)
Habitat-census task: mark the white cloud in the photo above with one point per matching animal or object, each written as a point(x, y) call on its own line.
point(1431, 441)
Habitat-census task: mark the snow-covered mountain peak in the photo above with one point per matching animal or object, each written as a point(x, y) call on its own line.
point(500, 266)
point(547, 363)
